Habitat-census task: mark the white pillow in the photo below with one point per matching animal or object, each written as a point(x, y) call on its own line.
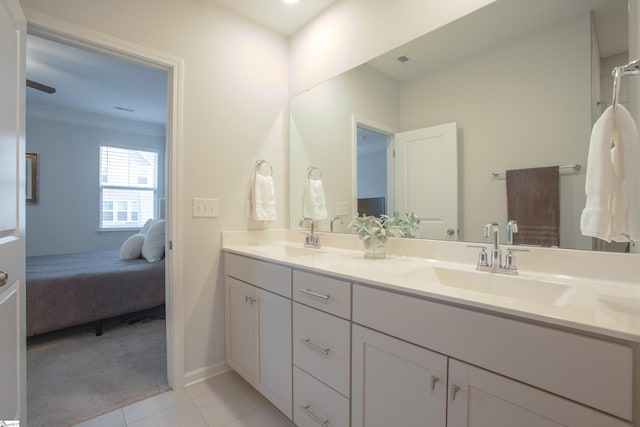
point(132, 247)
point(147, 225)
point(153, 246)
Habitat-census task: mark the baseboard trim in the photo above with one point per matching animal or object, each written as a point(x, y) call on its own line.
point(204, 373)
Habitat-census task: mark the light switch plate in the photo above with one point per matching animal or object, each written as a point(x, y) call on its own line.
point(205, 207)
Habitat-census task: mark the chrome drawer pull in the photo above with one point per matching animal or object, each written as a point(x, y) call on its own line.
point(314, 294)
point(313, 415)
point(308, 343)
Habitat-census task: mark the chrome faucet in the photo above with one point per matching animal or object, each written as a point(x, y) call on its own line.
point(311, 240)
point(495, 258)
point(493, 262)
point(335, 218)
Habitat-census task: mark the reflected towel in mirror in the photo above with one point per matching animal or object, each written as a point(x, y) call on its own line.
point(314, 202)
point(533, 200)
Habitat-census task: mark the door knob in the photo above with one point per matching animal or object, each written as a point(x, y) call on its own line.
point(450, 232)
point(4, 278)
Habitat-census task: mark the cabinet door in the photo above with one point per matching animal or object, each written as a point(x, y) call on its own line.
point(274, 379)
point(240, 327)
point(478, 398)
point(396, 383)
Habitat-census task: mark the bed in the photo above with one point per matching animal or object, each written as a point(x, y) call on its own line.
point(72, 289)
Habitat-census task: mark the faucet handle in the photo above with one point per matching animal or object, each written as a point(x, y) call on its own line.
point(512, 228)
point(488, 227)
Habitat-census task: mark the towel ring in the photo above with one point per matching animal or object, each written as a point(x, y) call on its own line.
point(258, 167)
point(314, 169)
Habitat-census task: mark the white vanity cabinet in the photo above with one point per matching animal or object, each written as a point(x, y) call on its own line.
point(258, 326)
point(396, 383)
point(321, 350)
point(533, 377)
point(479, 398)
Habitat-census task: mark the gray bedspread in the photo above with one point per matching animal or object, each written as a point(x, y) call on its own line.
point(72, 289)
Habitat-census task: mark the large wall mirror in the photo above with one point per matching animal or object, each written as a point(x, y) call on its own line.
point(520, 82)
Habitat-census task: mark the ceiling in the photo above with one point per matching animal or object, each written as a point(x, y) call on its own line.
point(101, 84)
point(500, 23)
point(276, 15)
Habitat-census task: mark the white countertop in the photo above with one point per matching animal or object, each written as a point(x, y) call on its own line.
point(597, 305)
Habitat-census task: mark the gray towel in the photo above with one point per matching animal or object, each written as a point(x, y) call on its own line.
point(533, 200)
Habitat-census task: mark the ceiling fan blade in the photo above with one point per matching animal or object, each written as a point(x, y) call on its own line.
point(40, 87)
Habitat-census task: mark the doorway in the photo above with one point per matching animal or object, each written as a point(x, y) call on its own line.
point(372, 171)
point(70, 35)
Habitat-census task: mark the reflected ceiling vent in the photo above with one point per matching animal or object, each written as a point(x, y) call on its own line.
point(128, 110)
point(403, 58)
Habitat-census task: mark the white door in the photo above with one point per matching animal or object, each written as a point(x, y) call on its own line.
point(12, 217)
point(427, 178)
point(395, 383)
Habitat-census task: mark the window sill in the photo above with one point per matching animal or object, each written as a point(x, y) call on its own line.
point(120, 230)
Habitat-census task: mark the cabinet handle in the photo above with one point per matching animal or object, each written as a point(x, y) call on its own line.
point(249, 300)
point(4, 278)
point(314, 416)
point(434, 380)
point(314, 294)
point(308, 343)
point(454, 390)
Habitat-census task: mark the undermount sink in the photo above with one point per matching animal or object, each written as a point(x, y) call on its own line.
point(288, 250)
point(502, 285)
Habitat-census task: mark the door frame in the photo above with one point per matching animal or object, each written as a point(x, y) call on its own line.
point(65, 32)
point(362, 122)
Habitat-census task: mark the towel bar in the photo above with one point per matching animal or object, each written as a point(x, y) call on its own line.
point(574, 167)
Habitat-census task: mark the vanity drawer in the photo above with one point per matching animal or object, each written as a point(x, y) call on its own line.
point(271, 277)
point(321, 346)
point(594, 372)
point(323, 293)
point(315, 404)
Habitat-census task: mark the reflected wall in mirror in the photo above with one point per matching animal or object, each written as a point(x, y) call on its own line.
point(523, 82)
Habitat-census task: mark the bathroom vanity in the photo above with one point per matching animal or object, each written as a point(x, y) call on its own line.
point(333, 339)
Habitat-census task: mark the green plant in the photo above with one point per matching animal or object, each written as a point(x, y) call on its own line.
point(409, 226)
point(375, 231)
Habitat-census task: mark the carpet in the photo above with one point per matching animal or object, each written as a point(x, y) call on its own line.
point(73, 375)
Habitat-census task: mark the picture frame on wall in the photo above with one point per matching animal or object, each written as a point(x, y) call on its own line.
point(31, 189)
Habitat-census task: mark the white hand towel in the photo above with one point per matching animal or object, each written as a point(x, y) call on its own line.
point(314, 202)
point(263, 198)
point(611, 210)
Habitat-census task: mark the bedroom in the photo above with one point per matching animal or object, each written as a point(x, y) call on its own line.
point(100, 172)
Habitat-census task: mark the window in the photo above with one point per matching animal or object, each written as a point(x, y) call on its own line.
point(128, 187)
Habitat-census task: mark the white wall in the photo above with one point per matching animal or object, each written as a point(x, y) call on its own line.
point(235, 111)
point(66, 217)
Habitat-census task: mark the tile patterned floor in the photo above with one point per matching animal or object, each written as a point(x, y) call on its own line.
point(226, 400)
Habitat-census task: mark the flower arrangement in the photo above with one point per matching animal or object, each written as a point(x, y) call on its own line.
point(375, 231)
